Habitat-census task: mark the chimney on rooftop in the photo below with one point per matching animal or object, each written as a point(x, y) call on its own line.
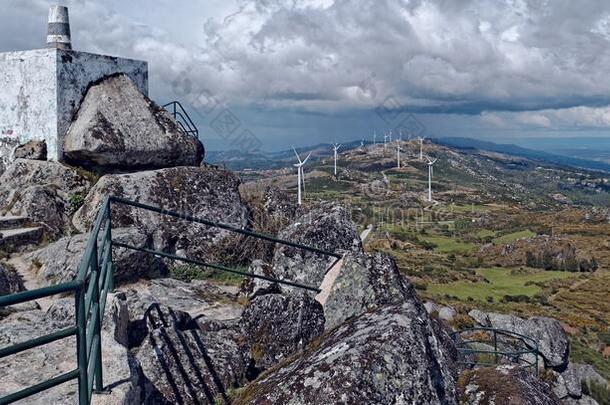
point(58, 32)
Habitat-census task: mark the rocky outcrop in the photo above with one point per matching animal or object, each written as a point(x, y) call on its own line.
point(545, 252)
point(503, 385)
point(10, 281)
point(365, 283)
point(277, 326)
point(58, 262)
point(569, 384)
point(387, 356)
point(43, 192)
point(118, 127)
point(198, 191)
point(33, 150)
point(326, 226)
point(553, 343)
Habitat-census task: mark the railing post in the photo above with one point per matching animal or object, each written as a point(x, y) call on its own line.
point(495, 347)
point(110, 249)
point(97, 330)
point(81, 345)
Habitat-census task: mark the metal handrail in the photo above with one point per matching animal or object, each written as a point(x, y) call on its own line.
point(93, 281)
point(530, 346)
point(182, 118)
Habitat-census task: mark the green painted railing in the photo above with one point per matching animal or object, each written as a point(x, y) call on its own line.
point(508, 348)
point(91, 285)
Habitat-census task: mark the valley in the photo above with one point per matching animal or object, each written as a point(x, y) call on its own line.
point(503, 233)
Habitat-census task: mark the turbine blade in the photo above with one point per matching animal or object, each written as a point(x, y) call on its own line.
point(306, 158)
point(295, 152)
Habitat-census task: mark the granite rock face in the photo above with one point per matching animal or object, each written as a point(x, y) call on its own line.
point(326, 226)
point(387, 356)
point(41, 191)
point(504, 385)
point(553, 343)
point(33, 150)
point(10, 280)
point(365, 283)
point(58, 262)
point(183, 364)
point(118, 127)
point(277, 326)
point(198, 191)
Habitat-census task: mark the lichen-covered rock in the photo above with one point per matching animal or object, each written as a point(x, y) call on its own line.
point(389, 356)
point(118, 127)
point(58, 262)
point(10, 281)
point(503, 385)
point(43, 192)
point(277, 326)
point(33, 150)
point(365, 283)
point(183, 364)
point(202, 192)
point(553, 342)
point(326, 226)
point(569, 383)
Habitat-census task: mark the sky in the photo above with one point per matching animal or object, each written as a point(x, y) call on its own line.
point(273, 73)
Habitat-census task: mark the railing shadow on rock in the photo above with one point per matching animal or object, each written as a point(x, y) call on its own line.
point(482, 346)
point(93, 282)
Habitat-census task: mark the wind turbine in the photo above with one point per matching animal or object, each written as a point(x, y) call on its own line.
point(336, 148)
point(300, 174)
point(430, 171)
point(390, 135)
point(398, 150)
point(385, 139)
point(374, 137)
point(362, 144)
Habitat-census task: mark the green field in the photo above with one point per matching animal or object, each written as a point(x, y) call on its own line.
point(511, 237)
point(484, 233)
point(445, 244)
point(501, 282)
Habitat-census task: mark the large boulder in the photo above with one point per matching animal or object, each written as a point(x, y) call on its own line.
point(58, 262)
point(42, 191)
point(277, 326)
point(387, 356)
point(326, 226)
point(198, 191)
point(365, 282)
point(553, 342)
point(503, 385)
point(118, 127)
point(184, 364)
point(569, 383)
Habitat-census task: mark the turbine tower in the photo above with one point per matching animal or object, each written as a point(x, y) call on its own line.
point(385, 139)
point(374, 137)
point(430, 171)
point(300, 174)
point(398, 150)
point(336, 148)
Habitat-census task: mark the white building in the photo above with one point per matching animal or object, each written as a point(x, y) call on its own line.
point(41, 90)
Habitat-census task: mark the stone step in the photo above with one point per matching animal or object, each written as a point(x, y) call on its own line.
point(20, 239)
point(13, 222)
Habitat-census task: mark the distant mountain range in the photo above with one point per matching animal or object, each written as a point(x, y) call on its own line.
point(240, 160)
point(510, 149)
